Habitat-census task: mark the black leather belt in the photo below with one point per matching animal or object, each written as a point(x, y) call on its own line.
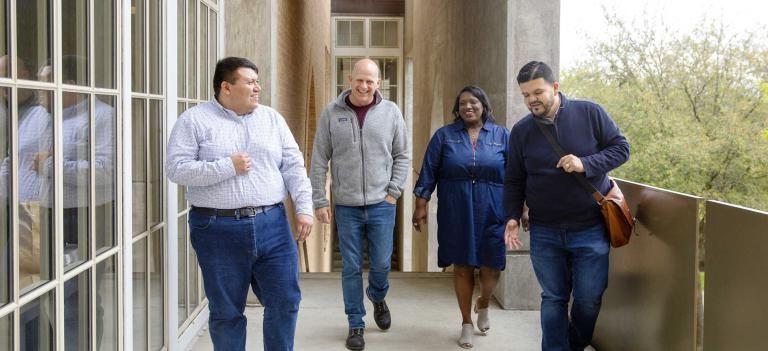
point(237, 212)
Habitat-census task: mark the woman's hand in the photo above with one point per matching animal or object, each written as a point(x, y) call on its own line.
point(419, 214)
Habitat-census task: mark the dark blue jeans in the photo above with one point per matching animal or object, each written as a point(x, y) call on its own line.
point(258, 251)
point(376, 224)
point(565, 262)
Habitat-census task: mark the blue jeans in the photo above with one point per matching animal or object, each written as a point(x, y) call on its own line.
point(258, 251)
point(376, 223)
point(569, 261)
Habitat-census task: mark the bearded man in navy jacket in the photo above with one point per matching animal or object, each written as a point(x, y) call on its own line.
point(569, 245)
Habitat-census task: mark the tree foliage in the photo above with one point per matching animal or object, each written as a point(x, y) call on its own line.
point(694, 106)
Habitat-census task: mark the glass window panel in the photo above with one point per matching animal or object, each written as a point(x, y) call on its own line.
point(35, 174)
point(76, 166)
point(140, 306)
point(155, 47)
point(74, 37)
point(6, 247)
point(203, 79)
point(342, 33)
point(36, 324)
point(104, 43)
point(105, 145)
point(182, 197)
point(213, 52)
point(138, 59)
point(391, 34)
point(6, 332)
point(344, 70)
point(77, 313)
point(34, 22)
point(156, 296)
point(377, 33)
point(106, 305)
point(156, 180)
point(139, 160)
point(181, 48)
point(182, 293)
point(194, 296)
point(356, 34)
point(191, 49)
point(5, 30)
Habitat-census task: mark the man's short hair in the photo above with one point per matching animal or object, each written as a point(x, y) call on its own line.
point(225, 71)
point(534, 70)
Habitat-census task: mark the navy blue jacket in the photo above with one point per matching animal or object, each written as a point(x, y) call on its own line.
point(555, 198)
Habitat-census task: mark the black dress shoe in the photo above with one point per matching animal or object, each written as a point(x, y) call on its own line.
point(355, 339)
point(381, 315)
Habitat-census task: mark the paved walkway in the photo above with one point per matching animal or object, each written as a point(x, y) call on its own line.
point(424, 317)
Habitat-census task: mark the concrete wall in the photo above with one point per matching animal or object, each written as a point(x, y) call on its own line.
point(453, 43)
point(290, 42)
point(303, 70)
point(249, 33)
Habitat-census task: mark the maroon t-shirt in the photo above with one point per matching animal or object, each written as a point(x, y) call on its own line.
point(360, 110)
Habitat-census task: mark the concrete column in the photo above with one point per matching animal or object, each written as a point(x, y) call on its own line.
point(454, 43)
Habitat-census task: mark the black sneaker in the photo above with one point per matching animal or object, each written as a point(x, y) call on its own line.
point(381, 315)
point(355, 339)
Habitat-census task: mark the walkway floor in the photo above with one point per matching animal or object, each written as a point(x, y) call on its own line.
point(424, 317)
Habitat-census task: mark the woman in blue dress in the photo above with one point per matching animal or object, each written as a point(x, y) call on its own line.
point(465, 160)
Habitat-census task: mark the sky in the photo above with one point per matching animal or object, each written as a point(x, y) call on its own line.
point(582, 19)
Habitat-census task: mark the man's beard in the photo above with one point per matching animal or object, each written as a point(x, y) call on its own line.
point(547, 107)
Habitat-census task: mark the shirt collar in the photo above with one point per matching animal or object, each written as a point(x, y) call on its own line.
point(228, 112)
point(459, 125)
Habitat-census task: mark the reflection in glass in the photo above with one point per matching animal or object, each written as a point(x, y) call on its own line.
point(213, 52)
point(203, 38)
point(105, 192)
point(194, 297)
point(155, 47)
point(6, 249)
point(156, 153)
point(34, 22)
point(35, 173)
point(106, 305)
point(191, 46)
point(181, 47)
point(377, 33)
point(76, 172)
point(37, 324)
point(156, 284)
point(104, 43)
point(356, 35)
point(137, 47)
point(76, 313)
point(5, 32)
point(344, 67)
point(182, 242)
point(389, 81)
point(391, 34)
point(140, 295)
point(6, 332)
point(74, 36)
point(139, 177)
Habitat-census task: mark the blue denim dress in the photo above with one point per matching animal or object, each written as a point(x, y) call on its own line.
point(470, 184)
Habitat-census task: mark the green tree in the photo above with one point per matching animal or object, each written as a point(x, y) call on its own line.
point(694, 106)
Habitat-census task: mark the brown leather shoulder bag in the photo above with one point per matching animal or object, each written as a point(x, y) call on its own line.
point(619, 223)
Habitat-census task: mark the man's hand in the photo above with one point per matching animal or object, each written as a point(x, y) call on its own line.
point(570, 163)
point(39, 162)
point(242, 162)
point(323, 215)
point(512, 235)
point(391, 199)
point(303, 226)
